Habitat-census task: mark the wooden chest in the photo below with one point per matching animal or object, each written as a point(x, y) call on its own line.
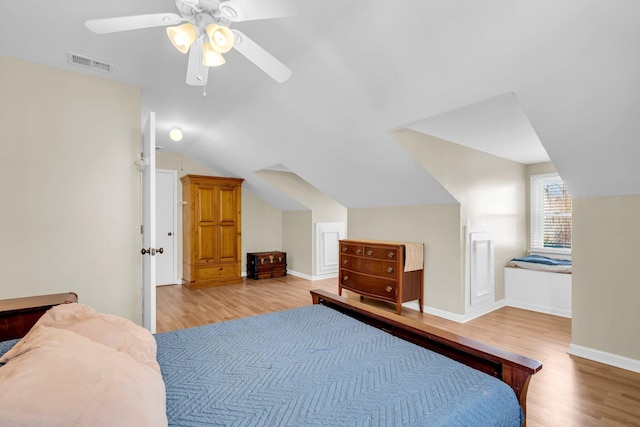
point(377, 270)
point(265, 265)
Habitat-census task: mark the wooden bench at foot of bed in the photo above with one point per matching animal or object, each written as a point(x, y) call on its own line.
point(511, 368)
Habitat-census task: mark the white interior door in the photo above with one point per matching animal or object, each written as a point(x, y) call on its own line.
point(149, 223)
point(166, 213)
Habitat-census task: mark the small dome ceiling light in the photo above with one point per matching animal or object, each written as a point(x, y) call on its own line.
point(175, 134)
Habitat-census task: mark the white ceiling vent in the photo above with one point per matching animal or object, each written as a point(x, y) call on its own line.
point(86, 62)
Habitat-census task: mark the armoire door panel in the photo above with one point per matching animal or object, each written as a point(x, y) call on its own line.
point(207, 243)
point(206, 209)
point(228, 205)
point(228, 245)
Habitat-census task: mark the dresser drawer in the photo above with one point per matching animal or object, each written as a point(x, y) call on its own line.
point(377, 252)
point(369, 285)
point(370, 266)
point(351, 249)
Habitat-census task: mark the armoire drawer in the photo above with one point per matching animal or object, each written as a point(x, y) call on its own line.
point(215, 272)
point(370, 266)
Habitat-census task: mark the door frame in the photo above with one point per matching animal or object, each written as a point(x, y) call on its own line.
point(148, 176)
point(174, 190)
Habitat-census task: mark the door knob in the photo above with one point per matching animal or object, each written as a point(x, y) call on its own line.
point(169, 234)
point(151, 251)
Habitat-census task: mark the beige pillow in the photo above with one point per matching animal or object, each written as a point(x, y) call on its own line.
point(113, 331)
point(60, 378)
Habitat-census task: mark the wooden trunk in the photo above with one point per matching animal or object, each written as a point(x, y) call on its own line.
point(265, 265)
point(212, 231)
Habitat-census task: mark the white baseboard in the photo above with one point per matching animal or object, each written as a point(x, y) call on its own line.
point(611, 359)
point(312, 278)
point(459, 318)
point(539, 308)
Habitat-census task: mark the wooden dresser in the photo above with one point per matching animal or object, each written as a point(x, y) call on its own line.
point(18, 315)
point(265, 265)
point(211, 231)
point(376, 270)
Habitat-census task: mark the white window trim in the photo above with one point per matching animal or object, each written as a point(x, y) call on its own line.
point(536, 220)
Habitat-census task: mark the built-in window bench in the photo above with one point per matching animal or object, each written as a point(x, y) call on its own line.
point(543, 291)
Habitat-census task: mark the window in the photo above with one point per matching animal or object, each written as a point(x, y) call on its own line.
point(550, 214)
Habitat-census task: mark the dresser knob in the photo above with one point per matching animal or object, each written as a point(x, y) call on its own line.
point(388, 288)
point(359, 251)
point(391, 254)
point(369, 252)
point(345, 262)
point(345, 278)
point(344, 249)
point(390, 270)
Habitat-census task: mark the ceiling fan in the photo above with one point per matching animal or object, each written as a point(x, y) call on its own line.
point(201, 28)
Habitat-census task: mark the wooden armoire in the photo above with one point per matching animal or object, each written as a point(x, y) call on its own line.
point(211, 231)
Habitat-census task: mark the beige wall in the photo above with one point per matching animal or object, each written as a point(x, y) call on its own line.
point(70, 217)
point(606, 283)
point(261, 221)
point(322, 207)
point(491, 191)
point(438, 227)
point(296, 240)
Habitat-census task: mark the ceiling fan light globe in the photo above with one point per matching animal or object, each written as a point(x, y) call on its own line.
point(210, 57)
point(182, 36)
point(221, 37)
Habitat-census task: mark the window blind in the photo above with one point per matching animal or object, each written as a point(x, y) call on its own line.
point(550, 213)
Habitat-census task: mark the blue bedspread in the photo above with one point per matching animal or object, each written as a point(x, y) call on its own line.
point(316, 366)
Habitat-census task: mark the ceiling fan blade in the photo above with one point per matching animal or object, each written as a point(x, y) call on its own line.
point(134, 22)
point(197, 72)
point(263, 59)
point(249, 10)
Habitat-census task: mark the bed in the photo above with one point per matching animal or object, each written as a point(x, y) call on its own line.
point(330, 363)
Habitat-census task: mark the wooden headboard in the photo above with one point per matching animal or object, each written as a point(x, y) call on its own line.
point(18, 315)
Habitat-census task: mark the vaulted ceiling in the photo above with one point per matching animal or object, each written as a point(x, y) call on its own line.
point(526, 80)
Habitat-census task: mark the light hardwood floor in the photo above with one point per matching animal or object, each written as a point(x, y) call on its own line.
point(569, 391)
